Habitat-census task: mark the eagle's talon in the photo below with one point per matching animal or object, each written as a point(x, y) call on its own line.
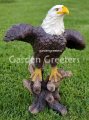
point(37, 75)
point(55, 75)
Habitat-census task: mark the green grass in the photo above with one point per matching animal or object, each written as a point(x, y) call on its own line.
point(14, 99)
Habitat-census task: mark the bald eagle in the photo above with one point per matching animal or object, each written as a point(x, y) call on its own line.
point(50, 39)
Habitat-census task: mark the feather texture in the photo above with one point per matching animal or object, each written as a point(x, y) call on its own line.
point(74, 39)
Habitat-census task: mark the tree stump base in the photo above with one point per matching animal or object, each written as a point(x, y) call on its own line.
point(46, 97)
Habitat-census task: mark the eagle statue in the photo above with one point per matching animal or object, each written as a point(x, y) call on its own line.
point(50, 39)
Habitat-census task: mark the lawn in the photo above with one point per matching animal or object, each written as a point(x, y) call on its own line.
point(14, 99)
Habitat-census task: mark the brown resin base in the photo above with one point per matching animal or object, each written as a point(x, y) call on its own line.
point(46, 94)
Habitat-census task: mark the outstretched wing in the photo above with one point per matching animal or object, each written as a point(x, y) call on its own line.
point(21, 32)
point(74, 39)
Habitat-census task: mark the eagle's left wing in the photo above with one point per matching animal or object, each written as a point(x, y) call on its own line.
point(74, 39)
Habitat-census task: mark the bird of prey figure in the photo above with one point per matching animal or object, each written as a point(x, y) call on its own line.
point(50, 39)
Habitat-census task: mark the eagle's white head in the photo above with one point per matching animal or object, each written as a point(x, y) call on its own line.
point(53, 23)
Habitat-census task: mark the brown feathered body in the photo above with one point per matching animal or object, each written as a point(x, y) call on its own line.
point(45, 44)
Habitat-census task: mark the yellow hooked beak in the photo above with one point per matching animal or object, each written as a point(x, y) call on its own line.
point(63, 11)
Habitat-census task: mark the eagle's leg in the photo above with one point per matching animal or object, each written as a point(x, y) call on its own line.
point(55, 75)
point(38, 63)
point(37, 78)
point(37, 74)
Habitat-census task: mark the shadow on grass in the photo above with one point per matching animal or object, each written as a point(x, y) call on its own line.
point(7, 1)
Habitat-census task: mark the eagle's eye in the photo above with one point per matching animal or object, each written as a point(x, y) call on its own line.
point(57, 9)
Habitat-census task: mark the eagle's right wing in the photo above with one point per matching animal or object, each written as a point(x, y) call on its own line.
point(21, 32)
